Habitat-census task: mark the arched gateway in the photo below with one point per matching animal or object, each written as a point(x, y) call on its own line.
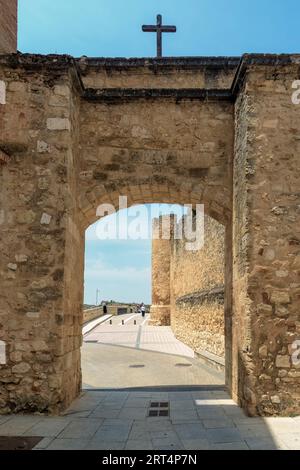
point(76, 133)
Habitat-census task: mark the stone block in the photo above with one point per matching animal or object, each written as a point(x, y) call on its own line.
point(283, 361)
point(280, 297)
point(2, 92)
point(21, 368)
point(58, 124)
point(46, 219)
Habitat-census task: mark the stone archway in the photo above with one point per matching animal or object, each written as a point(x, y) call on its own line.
point(159, 194)
point(75, 133)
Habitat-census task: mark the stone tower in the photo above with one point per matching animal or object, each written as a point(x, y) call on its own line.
point(163, 229)
point(8, 26)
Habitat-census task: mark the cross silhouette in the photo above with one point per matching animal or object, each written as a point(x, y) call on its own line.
point(159, 29)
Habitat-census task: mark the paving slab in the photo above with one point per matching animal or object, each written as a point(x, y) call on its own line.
point(18, 425)
point(113, 433)
point(136, 444)
point(44, 443)
point(183, 415)
point(224, 435)
point(259, 443)
point(133, 413)
point(190, 431)
point(230, 446)
point(217, 423)
point(68, 444)
point(81, 428)
point(196, 444)
point(291, 440)
point(107, 413)
point(48, 427)
point(210, 412)
point(96, 444)
point(167, 444)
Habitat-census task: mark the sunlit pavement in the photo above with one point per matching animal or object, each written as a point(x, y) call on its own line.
point(150, 398)
point(136, 333)
point(200, 419)
point(133, 355)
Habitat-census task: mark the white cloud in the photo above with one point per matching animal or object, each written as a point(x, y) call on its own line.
point(99, 271)
point(143, 213)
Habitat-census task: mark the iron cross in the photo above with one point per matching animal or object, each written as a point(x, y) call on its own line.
point(159, 29)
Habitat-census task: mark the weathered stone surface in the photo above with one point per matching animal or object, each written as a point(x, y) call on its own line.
point(197, 313)
point(46, 219)
point(21, 258)
point(280, 297)
point(157, 138)
point(58, 124)
point(42, 147)
point(2, 92)
point(12, 266)
point(26, 217)
point(8, 26)
point(21, 368)
point(283, 361)
point(263, 351)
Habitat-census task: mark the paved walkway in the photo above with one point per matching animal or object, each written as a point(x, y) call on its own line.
point(111, 367)
point(138, 336)
point(129, 355)
point(203, 419)
point(143, 364)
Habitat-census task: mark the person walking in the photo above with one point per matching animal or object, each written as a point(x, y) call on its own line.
point(143, 309)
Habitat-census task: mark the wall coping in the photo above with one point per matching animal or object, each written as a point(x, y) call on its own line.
point(63, 63)
point(192, 62)
point(117, 95)
point(208, 295)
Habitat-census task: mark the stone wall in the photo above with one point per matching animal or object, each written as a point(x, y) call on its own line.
point(197, 311)
point(64, 155)
point(112, 309)
point(266, 241)
point(41, 287)
point(198, 321)
point(148, 73)
point(65, 149)
point(160, 311)
point(8, 25)
point(92, 313)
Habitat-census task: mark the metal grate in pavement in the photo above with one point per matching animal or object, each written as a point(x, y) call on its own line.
point(159, 408)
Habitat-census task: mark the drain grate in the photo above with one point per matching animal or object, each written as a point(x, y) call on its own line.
point(159, 408)
point(137, 366)
point(18, 443)
point(159, 404)
point(182, 364)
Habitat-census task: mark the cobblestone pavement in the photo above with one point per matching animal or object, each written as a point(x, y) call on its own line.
point(199, 419)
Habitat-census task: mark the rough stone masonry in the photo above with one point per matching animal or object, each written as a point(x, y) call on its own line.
point(188, 286)
point(75, 133)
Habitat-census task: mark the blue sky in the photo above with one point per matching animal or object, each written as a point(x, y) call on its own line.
point(121, 269)
point(112, 28)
